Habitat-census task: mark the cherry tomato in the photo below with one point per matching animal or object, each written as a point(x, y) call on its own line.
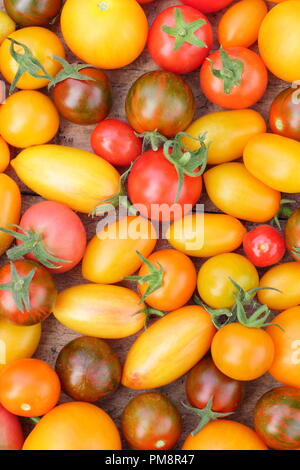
point(284, 114)
point(29, 387)
point(292, 234)
point(32, 13)
point(11, 435)
point(150, 421)
point(4, 155)
point(264, 246)
point(208, 6)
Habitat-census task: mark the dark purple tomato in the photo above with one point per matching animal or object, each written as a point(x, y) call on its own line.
point(285, 114)
point(32, 12)
point(88, 369)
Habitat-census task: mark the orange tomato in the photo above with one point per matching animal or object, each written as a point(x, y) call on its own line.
point(10, 198)
point(74, 426)
point(284, 277)
point(4, 155)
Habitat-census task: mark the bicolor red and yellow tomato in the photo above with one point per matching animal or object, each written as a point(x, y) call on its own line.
point(283, 277)
point(10, 197)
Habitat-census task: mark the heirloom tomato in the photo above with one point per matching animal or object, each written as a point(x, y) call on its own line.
point(235, 191)
point(179, 340)
point(160, 101)
point(10, 198)
point(4, 155)
point(292, 234)
point(283, 277)
point(208, 6)
point(150, 421)
point(7, 26)
point(113, 253)
point(284, 114)
point(29, 387)
point(11, 435)
point(74, 426)
point(108, 33)
point(264, 246)
point(31, 12)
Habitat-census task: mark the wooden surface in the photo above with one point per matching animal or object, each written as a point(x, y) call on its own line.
point(55, 335)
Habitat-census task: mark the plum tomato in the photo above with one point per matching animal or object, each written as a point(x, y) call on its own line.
point(264, 246)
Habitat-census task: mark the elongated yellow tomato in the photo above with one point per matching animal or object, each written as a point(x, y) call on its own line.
point(74, 177)
point(237, 192)
point(101, 311)
point(274, 160)
point(7, 26)
point(168, 348)
point(112, 254)
point(284, 277)
point(227, 132)
point(10, 210)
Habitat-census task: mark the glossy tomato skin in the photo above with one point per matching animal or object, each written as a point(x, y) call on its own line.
point(277, 416)
point(88, 369)
point(208, 6)
point(264, 246)
point(161, 44)
point(84, 101)
point(4, 155)
point(11, 436)
point(32, 13)
point(150, 421)
point(115, 141)
point(292, 234)
point(153, 184)
point(284, 114)
point(253, 85)
point(160, 100)
point(205, 381)
point(42, 294)
point(10, 197)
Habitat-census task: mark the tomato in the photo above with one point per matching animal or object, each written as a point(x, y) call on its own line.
point(10, 198)
point(214, 285)
point(264, 246)
point(274, 161)
point(73, 177)
point(4, 155)
point(234, 78)
point(29, 387)
point(185, 334)
point(236, 192)
point(100, 311)
point(227, 133)
point(153, 184)
point(27, 293)
point(32, 13)
point(279, 42)
point(88, 369)
point(28, 118)
point(205, 235)
point(150, 421)
point(116, 142)
point(51, 234)
point(277, 418)
point(284, 114)
point(74, 426)
point(286, 365)
point(292, 234)
point(235, 29)
point(11, 436)
point(43, 44)
point(283, 277)
point(144, 1)
point(208, 6)
point(112, 254)
point(174, 278)
point(205, 381)
point(224, 435)
point(84, 101)
point(108, 34)
point(160, 101)
point(180, 38)
point(7, 26)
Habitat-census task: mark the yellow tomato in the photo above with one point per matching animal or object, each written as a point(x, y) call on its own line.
point(112, 254)
point(237, 192)
point(106, 33)
point(100, 310)
point(4, 155)
point(275, 161)
point(214, 285)
point(168, 348)
point(74, 177)
point(28, 118)
point(205, 235)
point(284, 277)
point(7, 26)
point(10, 198)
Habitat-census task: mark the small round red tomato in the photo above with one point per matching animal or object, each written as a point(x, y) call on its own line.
point(29, 387)
point(180, 38)
point(277, 418)
point(84, 101)
point(234, 78)
point(264, 246)
point(11, 434)
point(115, 141)
point(205, 381)
point(292, 234)
point(284, 115)
point(150, 421)
point(27, 293)
point(31, 12)
point(208, 6)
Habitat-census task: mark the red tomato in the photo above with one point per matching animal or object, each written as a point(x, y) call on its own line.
point(180, 38)
point(11, 434)
point(208, 6)
point(285, 114)
point(116, 142)
point(264, 246)
point(236, 78)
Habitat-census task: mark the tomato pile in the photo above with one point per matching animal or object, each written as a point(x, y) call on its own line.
point(213, 296)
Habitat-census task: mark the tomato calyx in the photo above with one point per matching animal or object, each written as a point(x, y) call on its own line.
point(148, 313)
point(206, 415)
point(154, 139)
point(19, 288)
point(154, 279)
point(185, 32)
point(70, 71)
point(283, 212)
point(219, 316)
point(231, 73)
